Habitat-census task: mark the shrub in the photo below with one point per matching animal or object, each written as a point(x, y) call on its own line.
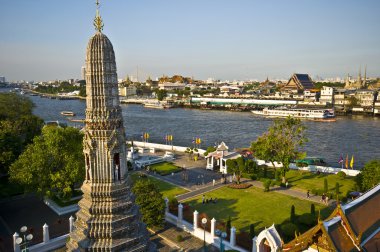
point(312, 209)
point(239, 186)
point(265, 171)
point(293, 214)
point(267, 184)
point(301, 164)
point(251, 231)
point(277, 175)
point(307, 219)
point(341, 174)
point(337, 188)
point(325, 186)
point(179, 238)
point(228, 225)
point(289, 229)
point(254, 177)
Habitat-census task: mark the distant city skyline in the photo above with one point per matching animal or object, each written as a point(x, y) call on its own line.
point(234, 40)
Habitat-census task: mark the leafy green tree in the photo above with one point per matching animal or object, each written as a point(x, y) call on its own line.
point(337, 189)
point(281, 143)
point(325, 186)
point(369, 176)
point(228, 225)
point(161, 94)
point(52, 164)
point(251, 231)
point(312, 209)
point(150, 201)
point(236, 166)
point(209, 150)
point(293, 214)
point(18, 126)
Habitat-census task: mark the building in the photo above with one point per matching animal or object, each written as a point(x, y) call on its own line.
point(327, 95)
point(298, 83)
point(2, 79)
point(351, 227)
point(127, 91)
point(171, 86)
point(83, 72)
point(366, 99)
point(217, 160)
point(341, 98)
point(108, 219)
point(310, 95)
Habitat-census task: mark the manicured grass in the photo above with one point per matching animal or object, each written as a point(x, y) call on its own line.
point(309, 181)
point(252, 206)
point(9, 189)
point(168, 190)
point(164, 168)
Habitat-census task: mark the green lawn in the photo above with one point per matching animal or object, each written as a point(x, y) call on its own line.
point(164, 168)
point(307, 181)
point(252, 206)
point(168, 190)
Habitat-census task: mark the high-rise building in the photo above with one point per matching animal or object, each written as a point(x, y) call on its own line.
point(2, 79)
point(108, 218)
point(83, 72)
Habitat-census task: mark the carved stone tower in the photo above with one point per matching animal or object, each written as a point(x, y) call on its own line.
point(108, 219)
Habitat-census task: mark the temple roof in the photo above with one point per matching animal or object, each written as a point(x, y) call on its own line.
point(299, 82)
point(351, 227)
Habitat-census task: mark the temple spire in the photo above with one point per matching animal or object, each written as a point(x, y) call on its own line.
point(98, 22)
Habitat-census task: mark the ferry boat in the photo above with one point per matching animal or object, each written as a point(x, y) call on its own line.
point(156, 105)
point(67, 113)
point(159, 105)
point(302, 113)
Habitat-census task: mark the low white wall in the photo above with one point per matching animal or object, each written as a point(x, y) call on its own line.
point(50, 245)
point(312, 168)
point(163, 147)
point(61, 210)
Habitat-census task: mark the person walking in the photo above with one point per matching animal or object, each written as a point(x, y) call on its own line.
point(308, 194)
point(213, 182)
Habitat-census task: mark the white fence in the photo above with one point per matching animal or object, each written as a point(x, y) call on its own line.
point(162, 147)
point(312, 168)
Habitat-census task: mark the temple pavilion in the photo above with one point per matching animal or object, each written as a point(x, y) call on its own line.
point(217, 160)
point(354, 226)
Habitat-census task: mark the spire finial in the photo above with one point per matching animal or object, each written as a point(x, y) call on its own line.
point(98, 22)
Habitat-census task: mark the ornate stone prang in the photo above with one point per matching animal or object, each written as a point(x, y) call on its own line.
point(108, 219)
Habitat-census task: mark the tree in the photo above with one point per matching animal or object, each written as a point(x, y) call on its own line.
point(325, 186)
point(281, 143)
point(209, 150)
point(228, 225)
point(312, 209)
point(161, 94)
point(251, 231)
point(18, 126)
point(337, 189)
point(236, 166)
point(369, 176)
point(52, 164)
point(292, 214)
point(150, 201)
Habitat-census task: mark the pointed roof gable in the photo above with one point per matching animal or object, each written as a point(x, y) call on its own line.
point(352, 227)
point(299, 82)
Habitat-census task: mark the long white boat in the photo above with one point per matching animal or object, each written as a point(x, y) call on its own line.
point(297, 113)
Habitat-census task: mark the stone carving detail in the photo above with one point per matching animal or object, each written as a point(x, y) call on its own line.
point(108, 219)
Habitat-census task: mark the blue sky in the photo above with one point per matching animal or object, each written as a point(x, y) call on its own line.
point(224, 39)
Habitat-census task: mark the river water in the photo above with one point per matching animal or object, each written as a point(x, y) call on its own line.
point(352, 135)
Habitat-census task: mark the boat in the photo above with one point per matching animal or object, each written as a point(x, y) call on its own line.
point(155, 105)
point(67, 113)
point(305, 113)
point(159, 105)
